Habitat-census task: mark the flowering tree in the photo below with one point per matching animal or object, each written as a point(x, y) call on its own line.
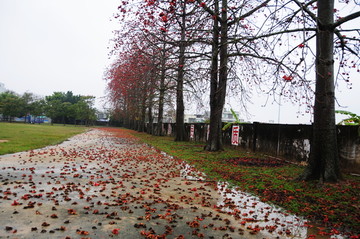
point(274, 46)
point(129, 86)
point(226, 17)
point(164, 27)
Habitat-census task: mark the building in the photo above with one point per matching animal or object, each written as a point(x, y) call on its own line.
point(227, 117)
point(194, 118)
point(103, 117)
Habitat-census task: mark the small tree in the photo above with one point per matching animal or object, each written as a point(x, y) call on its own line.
point(229, 124)
point(353, 119)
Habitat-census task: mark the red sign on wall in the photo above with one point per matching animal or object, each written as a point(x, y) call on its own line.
point(235, 135)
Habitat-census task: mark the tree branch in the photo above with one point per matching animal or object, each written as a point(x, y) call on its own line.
point(274, 34)
point(249, 13)
point(304, 7)
point(346, 19)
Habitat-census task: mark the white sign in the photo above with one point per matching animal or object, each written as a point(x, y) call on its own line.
point(192, 131)
point(208, 132)
point(235, 135)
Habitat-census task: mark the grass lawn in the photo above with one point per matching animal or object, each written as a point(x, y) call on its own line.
point(331, 206)
point(17, 137)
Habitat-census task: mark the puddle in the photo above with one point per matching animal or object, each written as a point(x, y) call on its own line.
point(255, 215)
point(190, 173)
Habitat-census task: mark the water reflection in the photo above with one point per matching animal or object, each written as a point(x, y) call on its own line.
point(190, 173)
point(256, 216)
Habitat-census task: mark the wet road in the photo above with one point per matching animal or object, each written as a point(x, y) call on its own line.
point(98, 185)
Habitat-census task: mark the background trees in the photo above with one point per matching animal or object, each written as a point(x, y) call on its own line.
point(132, 86)
point(83, 110)
point(67, 108)
point(60, 107)
point(11, 105)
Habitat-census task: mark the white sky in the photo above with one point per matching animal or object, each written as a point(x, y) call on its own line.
point(62, 45)
point(55, 45)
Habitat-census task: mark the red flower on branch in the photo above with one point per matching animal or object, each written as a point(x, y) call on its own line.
point(287, 78)
point(164, 18)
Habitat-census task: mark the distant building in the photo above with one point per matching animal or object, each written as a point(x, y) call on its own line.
point(194, 118)
point(33, 119)
point(227, 116)
point(168, 117)
point(103, 117)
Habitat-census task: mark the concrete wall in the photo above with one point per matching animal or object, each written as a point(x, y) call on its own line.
point(291, 142)
point(349, 147)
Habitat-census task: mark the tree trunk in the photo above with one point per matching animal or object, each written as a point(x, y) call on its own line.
point(143, 115)
point(180, 128)
point(150, 117)
point(161, 93)
point(218, 80)
point(161, 109)
point(152, 86)
point(324, 159)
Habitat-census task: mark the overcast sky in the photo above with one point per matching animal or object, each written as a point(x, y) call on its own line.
point(55, 45)
point(62, 45)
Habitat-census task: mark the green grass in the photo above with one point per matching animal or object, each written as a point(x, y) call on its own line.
point(17, 137)
point(330, 205)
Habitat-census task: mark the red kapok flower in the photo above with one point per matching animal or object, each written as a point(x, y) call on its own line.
point(164, 18)
point(287, 78)
point(15, 203)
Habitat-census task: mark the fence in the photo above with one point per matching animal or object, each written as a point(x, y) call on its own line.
point(283, 140)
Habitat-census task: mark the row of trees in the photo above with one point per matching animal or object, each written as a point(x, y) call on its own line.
point(209, 49)
point(60, 107)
